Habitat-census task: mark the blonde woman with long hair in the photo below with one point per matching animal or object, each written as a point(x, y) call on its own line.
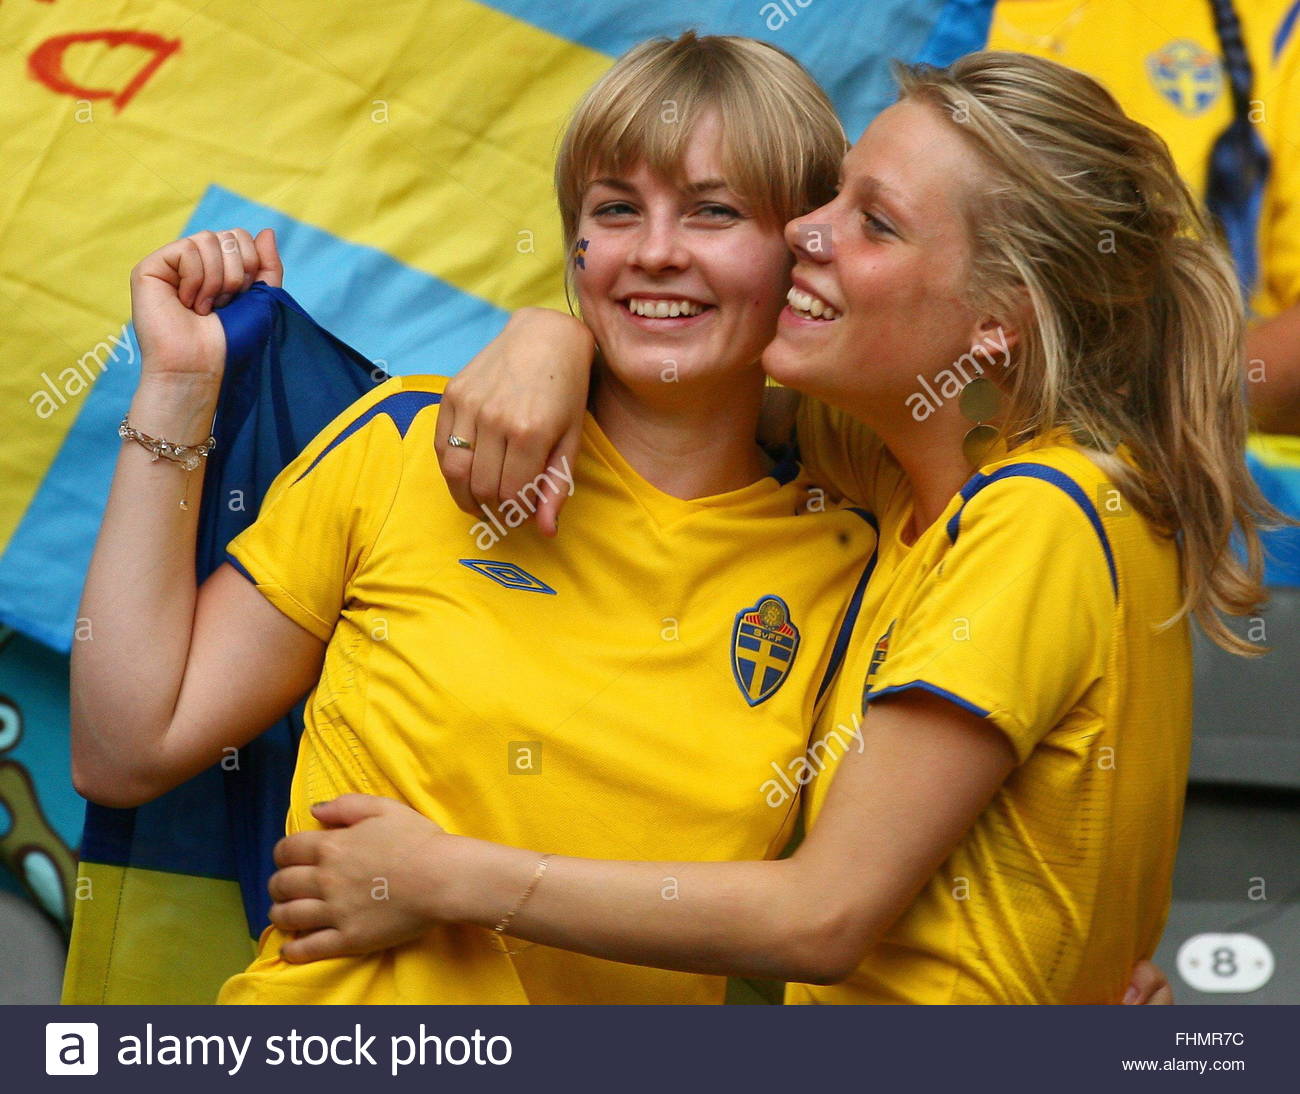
point(1023, 351)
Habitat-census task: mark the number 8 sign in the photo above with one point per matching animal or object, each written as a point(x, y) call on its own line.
point(1235, 963)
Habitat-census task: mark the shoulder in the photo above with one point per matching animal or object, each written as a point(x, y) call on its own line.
point(372, 431)
point(843, 454)
point(1040, 505)
point(400, 399)
point(397, 402)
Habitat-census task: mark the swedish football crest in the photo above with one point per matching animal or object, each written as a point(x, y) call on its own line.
point(763, 644)
point(1187, 74)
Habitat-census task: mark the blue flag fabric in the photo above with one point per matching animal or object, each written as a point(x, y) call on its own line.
point(286, 378)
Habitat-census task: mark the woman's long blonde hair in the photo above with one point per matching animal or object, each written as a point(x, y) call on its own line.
point(1137, 327)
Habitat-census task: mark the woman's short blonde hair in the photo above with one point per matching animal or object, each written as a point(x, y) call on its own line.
point(782, 140)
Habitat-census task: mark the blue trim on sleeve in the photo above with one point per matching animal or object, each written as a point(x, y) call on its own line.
point(1057, 478)
point(401, 407)
point(240, 567)
point(933, 689)
point(1284, 29)
point(855, 605)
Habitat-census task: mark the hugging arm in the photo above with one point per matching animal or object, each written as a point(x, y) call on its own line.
point(520, 404)
point(895, 810)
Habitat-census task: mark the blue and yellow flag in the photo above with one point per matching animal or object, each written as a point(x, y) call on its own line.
point(405, 163)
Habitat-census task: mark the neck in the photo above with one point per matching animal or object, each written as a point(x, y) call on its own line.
point(930, 454)
point(697, 442)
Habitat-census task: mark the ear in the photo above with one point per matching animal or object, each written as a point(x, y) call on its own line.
point(1000, 332)
point(996, 335)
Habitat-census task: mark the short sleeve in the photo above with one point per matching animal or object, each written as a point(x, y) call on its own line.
point(323, 513)
point(841, 453)
point(1016, 620)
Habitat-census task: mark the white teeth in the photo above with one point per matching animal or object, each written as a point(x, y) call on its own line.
point(808, 306)
point(663, 309)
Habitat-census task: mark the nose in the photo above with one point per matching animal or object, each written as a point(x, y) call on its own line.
point(810, 236)
point(659, 246)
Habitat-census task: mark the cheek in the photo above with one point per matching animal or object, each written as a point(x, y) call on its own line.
point(760, 278)
point(596, 257)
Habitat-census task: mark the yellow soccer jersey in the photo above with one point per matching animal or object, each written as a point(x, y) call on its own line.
point(624, 691)
point(1161, 60)
point(1032, 601)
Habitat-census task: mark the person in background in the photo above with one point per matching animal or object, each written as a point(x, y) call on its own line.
point(1217, 79)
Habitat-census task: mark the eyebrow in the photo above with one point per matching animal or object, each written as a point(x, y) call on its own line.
point(868, 187)
point(703, 186)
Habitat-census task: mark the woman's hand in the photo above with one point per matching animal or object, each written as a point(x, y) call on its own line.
point(1149, 984)
point(365, 883)
point(520, 404)
point(175, 290)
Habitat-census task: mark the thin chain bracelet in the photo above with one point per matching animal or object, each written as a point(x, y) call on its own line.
point(500, 929)
point(187, 456)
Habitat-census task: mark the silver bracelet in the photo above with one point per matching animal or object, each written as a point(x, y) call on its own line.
point(187, 455)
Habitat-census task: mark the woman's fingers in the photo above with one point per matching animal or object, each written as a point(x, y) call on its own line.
point(485, 475)
point(188, 266)
point(300, 849)
point(1146, 983)
point(457, 463)
point(295, 883)
point(213, 270)
point(326, 942)
point(564, 460)
point(232, 268)
point(301, 915)
point(248, 260)
point(523, 464)
point(269, 266)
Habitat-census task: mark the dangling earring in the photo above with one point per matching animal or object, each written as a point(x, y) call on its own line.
point(979, 400)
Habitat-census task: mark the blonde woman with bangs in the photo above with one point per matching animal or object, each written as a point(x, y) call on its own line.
point(503, 685)
point(1020, 347)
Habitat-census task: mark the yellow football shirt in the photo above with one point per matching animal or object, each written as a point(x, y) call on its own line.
point(625, 691)
point(1161, 61)
point(1034, 600)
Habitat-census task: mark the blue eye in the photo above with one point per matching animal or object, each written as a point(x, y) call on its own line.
point(614, 208)
point(715, 211)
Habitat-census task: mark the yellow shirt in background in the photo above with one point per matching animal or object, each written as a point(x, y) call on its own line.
point(1161, 60)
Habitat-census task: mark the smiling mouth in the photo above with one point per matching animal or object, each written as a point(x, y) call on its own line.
point(664, 309)
point(807, 306)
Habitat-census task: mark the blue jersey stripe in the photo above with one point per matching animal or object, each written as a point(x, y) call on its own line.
point(401, 407)
point(1284, 29)
point(240, 567)
point(1045, 474)
point(933, 689)
point(851, 616)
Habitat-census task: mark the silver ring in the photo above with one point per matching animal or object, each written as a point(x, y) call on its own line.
point(459, 442)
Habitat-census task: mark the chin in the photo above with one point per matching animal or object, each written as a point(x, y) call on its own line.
point(784, 364)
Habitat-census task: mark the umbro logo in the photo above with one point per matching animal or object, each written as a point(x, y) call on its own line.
point(508, 574)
